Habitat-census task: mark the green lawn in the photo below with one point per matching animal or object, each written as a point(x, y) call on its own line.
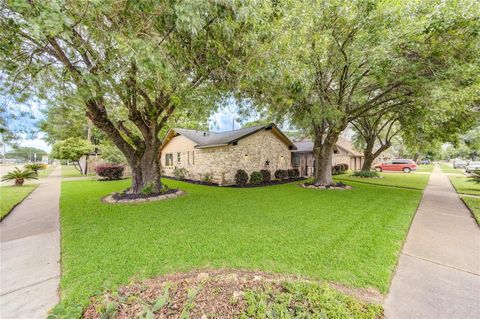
point(71, 171)
point(465, 185)
point(448, 168)
point(410, 180)
point(10, 196)
point(425, 168)
point(351, 237)
point(474, 205)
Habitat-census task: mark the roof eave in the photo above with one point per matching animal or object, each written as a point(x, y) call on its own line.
point(209, 146)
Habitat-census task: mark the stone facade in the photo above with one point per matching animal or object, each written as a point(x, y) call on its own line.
point(261, 150)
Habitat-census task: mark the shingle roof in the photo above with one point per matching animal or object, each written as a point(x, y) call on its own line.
point(306, 146)
point(206, 139)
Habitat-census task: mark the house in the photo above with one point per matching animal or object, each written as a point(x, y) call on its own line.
point(344, 153)
point(216, 157)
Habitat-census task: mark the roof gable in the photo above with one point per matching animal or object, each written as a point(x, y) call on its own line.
point(206, 139)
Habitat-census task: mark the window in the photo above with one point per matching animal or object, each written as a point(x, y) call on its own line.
point(188, 157)
point(169, 159)
point(193, 157)
point(178, 158)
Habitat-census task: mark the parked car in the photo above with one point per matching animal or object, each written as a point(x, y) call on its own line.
point(472, 166)
point(397, 165)
point(458, 163)
point(425, 161)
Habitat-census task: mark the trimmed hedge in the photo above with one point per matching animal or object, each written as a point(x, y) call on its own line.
point(296, 173)
point(266, 175)
point(281, 174)
point(241, 177)
point(256, 178)
point(365, 174)
point(110, 171)
point(339, 169)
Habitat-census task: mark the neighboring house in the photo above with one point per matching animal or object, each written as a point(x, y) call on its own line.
point(217, 156)
point(384, 157)
point(303, 159)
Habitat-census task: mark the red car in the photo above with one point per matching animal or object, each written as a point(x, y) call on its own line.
point(397, 165)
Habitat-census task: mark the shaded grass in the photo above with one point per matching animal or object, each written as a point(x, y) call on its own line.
point(448, 168)
point(71, 171)
point(474, 205)
point(410, 180)
point(425, 168)
point(352, 237)
point(465, 185)
point(10, 196)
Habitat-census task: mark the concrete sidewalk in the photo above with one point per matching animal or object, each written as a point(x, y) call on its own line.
point(438, 275)
point(30, 253)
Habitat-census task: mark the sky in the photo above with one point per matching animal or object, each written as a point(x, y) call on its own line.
point(221, 121)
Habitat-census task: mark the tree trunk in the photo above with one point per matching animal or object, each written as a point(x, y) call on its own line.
point(146, 172)
point(323, 152)
point(369, 157)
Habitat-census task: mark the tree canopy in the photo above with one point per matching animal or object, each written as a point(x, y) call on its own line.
point(328, 63)
point(132, 66)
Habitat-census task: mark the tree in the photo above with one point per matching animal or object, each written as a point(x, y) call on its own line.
point(25, 153)
point(375, 132)
point(71, 149)
point(328, 63)
point(133, 66)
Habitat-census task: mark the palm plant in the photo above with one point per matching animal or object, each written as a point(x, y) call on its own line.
point(19, 176)
point(475, 176)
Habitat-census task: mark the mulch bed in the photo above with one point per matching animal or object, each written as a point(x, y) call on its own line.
point(130, 196)
point(125, 198)
point(273, 182)
point(198, 294)
point(339, 185)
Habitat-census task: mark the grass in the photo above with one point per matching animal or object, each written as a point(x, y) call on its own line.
point(11, 196)
point(448, 168)
point(474, 205)
point(71, 171)
point(465, 185)
point(351, 237)
point(410, 180)
point(425, 168)
point(306, 300)
point(45, 172)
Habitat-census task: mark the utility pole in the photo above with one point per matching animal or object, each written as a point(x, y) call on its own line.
point(233, 124)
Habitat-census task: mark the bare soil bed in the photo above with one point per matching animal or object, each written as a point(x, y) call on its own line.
point(234, 294)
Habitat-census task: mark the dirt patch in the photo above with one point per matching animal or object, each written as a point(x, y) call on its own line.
point(205, 294)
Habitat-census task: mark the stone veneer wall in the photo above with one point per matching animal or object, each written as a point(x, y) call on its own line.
point(251, 154)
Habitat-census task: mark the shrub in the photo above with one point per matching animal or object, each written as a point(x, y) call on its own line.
point(241, 177)
point(339, 169)
point(290, 173)
point(365, 174)
point(19, 176)
point(35, 167)
point(296, 173)
point(256, 178)
point(475, 176)
point(208, 178)
point(179, 172)
point(281, 174)
point(147, 189)
point(110, 171)
point(266, 175)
